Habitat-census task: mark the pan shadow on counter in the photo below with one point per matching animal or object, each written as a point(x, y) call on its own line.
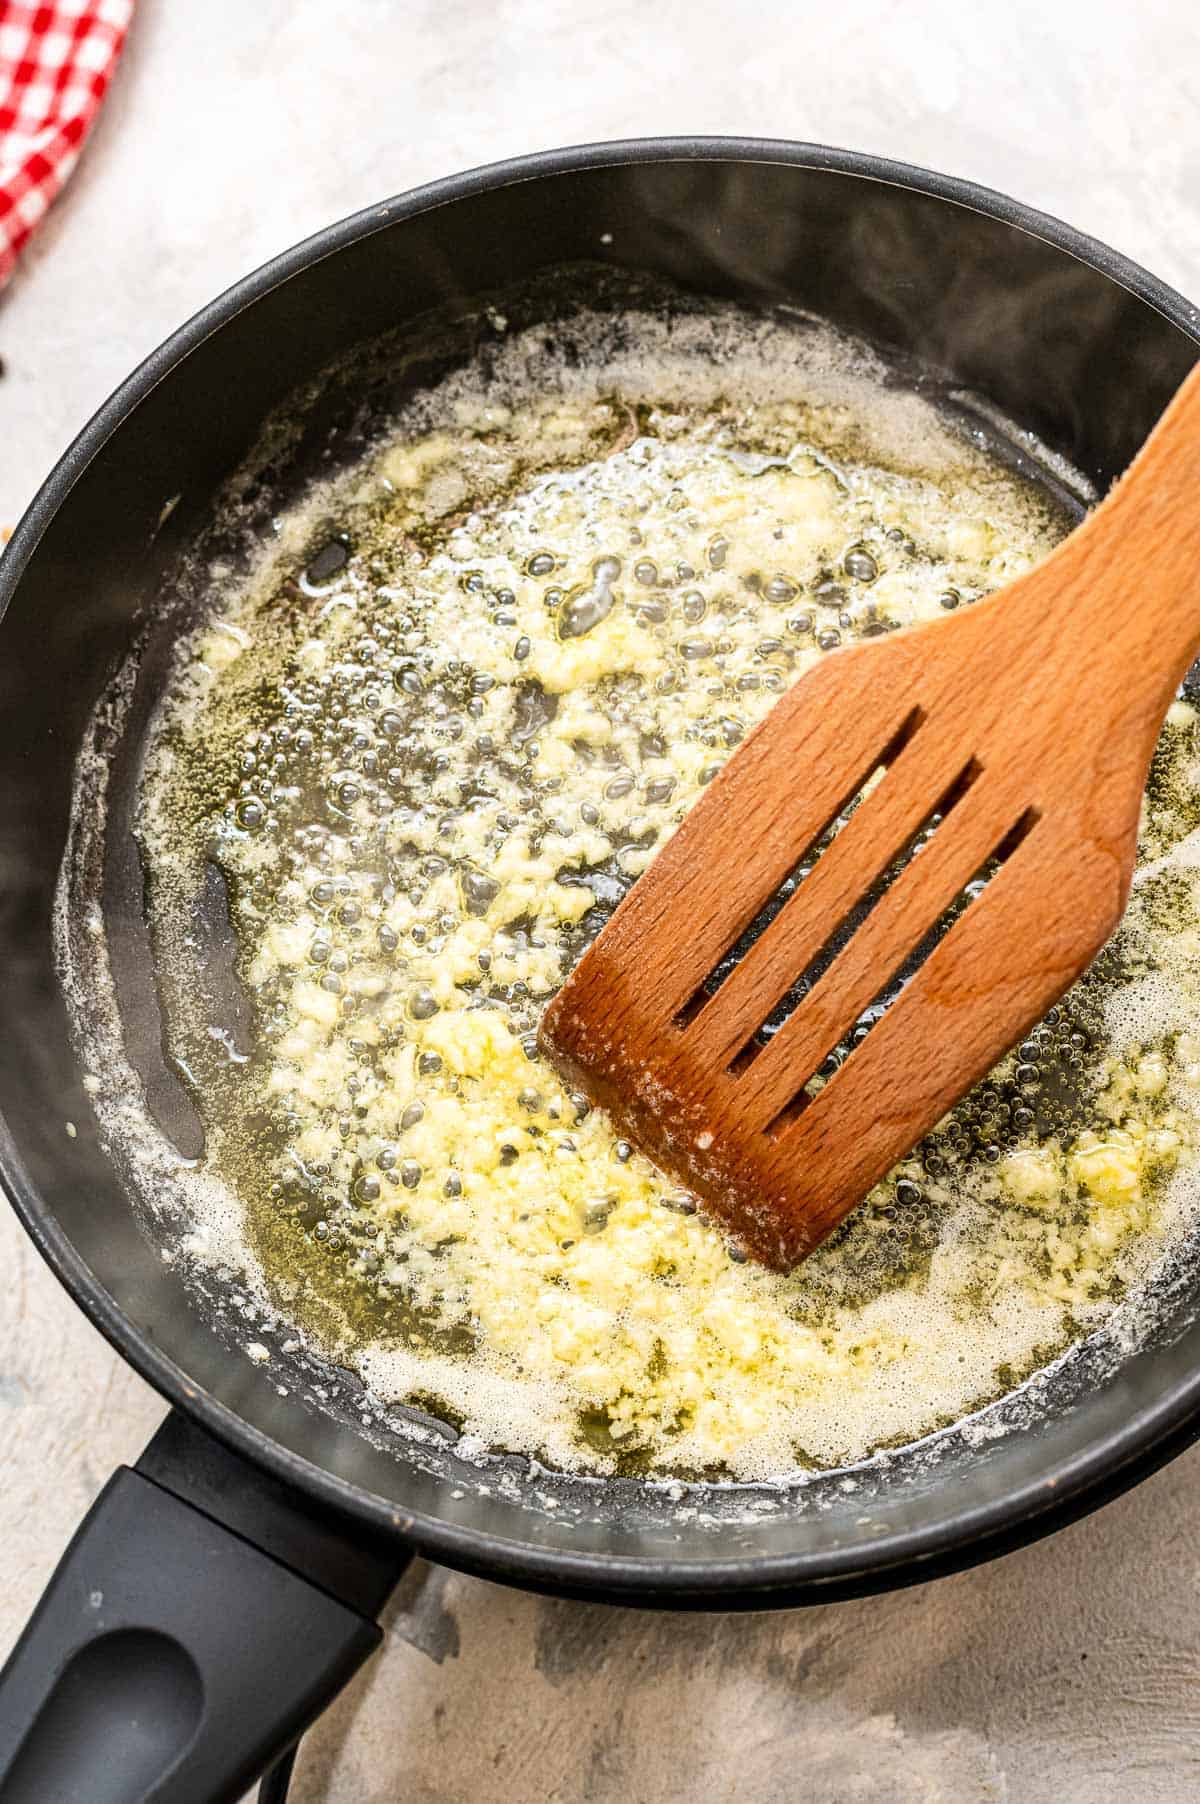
point(1010, 1682)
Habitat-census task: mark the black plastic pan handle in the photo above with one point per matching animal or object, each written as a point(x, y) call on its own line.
point(202, 1617)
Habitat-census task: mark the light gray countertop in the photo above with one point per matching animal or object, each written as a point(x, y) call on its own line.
point(1066, 1674)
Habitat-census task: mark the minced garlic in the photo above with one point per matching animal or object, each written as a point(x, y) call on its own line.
point(430, 765)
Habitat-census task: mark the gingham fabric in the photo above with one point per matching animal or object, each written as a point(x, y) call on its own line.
point(55, 63)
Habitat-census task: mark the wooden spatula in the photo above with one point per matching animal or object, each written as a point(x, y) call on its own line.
point(1009, 745)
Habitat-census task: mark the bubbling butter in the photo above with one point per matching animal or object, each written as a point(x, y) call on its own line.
point(450, 716)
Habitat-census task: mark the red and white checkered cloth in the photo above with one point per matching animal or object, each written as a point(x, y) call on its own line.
point(56, 61)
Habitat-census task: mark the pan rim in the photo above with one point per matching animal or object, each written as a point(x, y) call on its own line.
point(1068, 1488)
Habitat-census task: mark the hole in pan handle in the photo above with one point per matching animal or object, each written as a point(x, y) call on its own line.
point(201, 1618)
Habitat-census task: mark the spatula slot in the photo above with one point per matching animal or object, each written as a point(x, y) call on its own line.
point(817, 847)
point(855, 917)
point(836, 1060)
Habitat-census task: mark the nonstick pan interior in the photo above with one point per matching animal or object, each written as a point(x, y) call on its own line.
point(1081, 349)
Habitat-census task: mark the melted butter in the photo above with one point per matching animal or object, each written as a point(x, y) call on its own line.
point(428, 770)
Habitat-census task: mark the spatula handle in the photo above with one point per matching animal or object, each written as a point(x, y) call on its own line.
point(1131, 573)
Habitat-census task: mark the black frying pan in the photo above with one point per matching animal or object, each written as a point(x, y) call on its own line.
point(220, 1593)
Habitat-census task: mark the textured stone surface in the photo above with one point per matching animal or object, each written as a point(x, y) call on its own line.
point(1067, 1674)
